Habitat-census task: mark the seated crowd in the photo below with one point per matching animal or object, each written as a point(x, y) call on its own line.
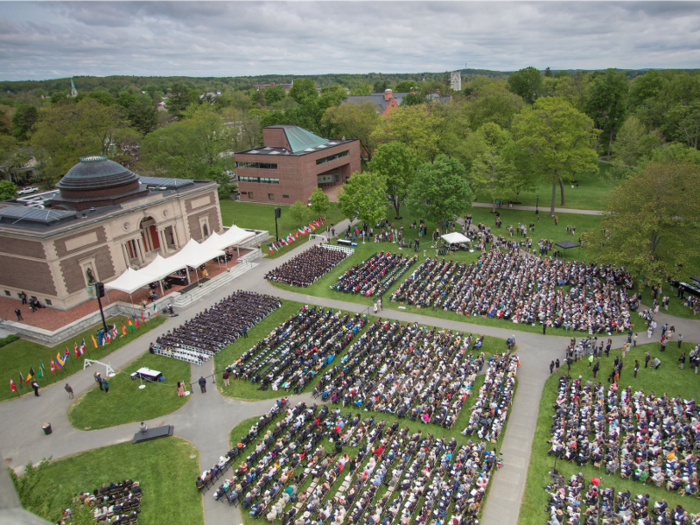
point(571, 502)
point(375, 275)
point(298, 349)
point(115, 503)
point(646, 438)
point(378, 473)
point(490, 410)
point(307, 267)
point(524, 289)
point(219, 326)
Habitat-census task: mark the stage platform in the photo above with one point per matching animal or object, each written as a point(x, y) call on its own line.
point(153, 433)
point(194, 285)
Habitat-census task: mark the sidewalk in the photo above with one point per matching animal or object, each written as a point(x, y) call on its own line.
point(542, 210)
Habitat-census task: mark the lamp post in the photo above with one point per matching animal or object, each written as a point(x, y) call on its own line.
point(537, 206)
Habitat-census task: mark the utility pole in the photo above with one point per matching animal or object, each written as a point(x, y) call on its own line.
point(278, 214)
point(100, 292)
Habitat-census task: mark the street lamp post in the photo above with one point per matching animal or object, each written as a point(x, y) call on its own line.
point(537, 206)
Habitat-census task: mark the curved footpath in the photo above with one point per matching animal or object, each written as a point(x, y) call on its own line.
point(207, 419)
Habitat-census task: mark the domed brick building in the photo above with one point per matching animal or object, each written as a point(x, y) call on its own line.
point(103, 219)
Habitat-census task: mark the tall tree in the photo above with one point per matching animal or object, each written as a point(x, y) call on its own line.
point(320, 203)
point(412, 125)
point(652, 222)
point(22, 121)
point(607, 103)
point(397, 166)
point(364, 197)
point(559, 139)
point(67, 131)
point(191, 148)
point(440, 191)
point(274, 94)
point(8, 190)
point(687, 119)
point(303, 90)
point(300, 213)
point(633, 143)
point(358, 121)
point(491, 168)
point(492, 102)
point(527, 83)
point(180, 98)
point(361, 90)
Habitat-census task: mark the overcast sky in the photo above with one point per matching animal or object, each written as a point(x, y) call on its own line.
point(49, 40)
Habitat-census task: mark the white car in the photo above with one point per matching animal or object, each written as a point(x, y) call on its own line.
point(28, 189)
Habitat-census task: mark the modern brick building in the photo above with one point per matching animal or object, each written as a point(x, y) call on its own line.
point(292, 163)
point(105, 219)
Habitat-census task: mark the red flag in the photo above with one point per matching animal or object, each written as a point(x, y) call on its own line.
point(77, 351)
point(53, 366)
point(136, 320)
point(142, 316)
point(12, 385)
point(123, 328)
point(108, 338)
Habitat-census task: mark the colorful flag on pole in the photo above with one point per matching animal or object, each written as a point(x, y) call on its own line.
point(82, 347)
point(155, 309)
point(94, 342)
point(41, 371)
point(136, 321)
point(21, 380)
point(77, 350)
point(123, 328)
point(30, 374)
point(142, 320)
point(53, 366)
point(108, 338)
point(115, 332)
point(66, 355)
point(59, 362)
point(12, 386)
point(131, 325)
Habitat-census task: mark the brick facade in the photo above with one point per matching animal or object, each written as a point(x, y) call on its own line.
point(25, 274)
point(73, 274)
point(25, 248)
point(60, 244)
point(297, 174)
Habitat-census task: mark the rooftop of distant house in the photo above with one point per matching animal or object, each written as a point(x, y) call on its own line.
point(301, 142)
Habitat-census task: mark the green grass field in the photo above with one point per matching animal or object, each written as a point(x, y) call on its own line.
point(166, 470)
point(591, 193)
point(125, 402)
point(668, 378)
point(21, 355)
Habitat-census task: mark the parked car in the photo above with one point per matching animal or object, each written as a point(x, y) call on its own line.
point(26, 190)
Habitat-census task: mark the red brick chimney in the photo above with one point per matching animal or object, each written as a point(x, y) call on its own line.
point(388, 94)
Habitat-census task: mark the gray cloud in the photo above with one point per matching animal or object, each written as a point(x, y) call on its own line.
point(45, 40)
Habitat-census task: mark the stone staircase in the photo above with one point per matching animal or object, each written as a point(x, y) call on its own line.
point(220, 280)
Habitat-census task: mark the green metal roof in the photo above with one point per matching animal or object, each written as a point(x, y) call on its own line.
point(299, 139)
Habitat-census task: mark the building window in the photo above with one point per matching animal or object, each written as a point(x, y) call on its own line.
point(48, 302)
point(261, 180)
point(271, 196)
point(244, 193)
point(333, 157)
point(8, 293)
point(285, 196)
point(258, 165)
point(250, 194)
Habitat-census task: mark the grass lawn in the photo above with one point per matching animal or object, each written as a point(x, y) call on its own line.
point(164, 468)
point(21, 355)
point(675, 305)
point(125, 403)
point(591, 193)
point(668, 378)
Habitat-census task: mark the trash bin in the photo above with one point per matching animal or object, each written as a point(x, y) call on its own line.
point(47, 428)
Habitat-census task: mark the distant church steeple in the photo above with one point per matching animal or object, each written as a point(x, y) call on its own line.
point(73, 91)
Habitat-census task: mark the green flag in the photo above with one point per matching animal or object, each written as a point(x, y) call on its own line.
point(21, 380)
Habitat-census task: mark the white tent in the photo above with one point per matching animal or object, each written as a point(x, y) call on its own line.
point(231, 237)
point(161, 268)
point(454, 238)
point(194, 254)
point(129, 281)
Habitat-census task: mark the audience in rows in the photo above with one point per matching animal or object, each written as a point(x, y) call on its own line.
point(304, 269)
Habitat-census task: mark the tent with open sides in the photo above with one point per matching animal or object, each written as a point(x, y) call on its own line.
point(454, 238)
point(130, 281)
point(567, 245)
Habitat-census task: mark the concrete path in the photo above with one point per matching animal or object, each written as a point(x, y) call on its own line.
point(542, 209)
point(207, 419)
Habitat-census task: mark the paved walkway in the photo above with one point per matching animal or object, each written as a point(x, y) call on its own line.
point(207, 419)
point(544, 210)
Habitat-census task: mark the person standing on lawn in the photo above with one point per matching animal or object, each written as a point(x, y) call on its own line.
point(105, 386)
point(680, 340)
point(636, 367)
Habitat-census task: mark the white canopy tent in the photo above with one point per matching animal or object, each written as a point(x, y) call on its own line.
point(231, 237)
point(130, 281)
point(454, 238)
